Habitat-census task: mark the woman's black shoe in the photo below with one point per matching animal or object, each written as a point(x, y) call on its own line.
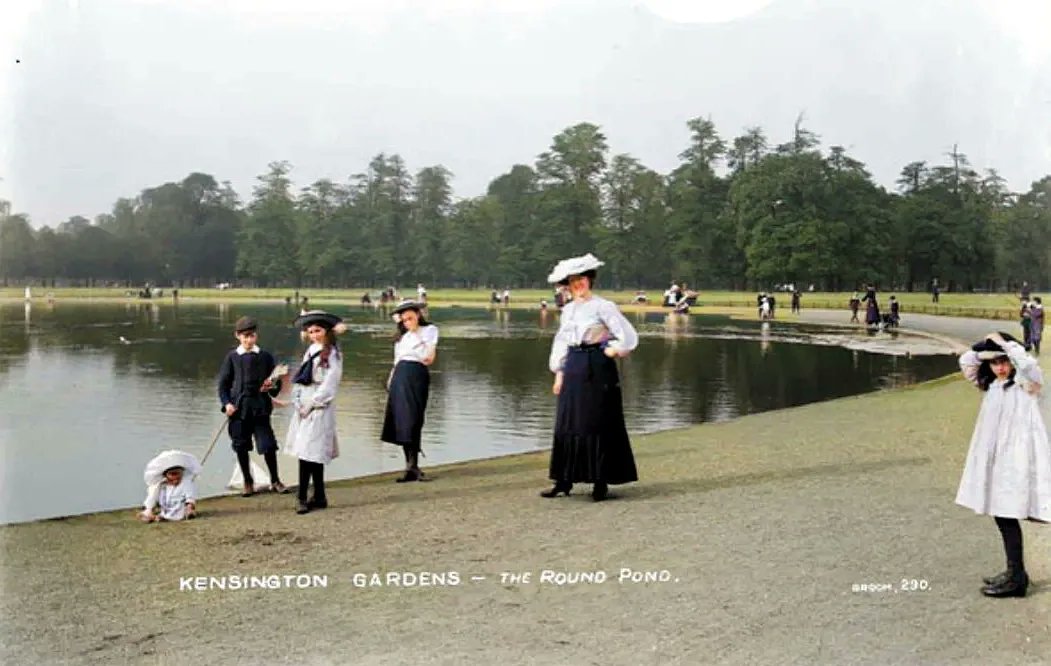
point(302, 507)
point(998, 579)
point(558, 489)
point(408, 477)
point(600, 492)
point(1013, 587)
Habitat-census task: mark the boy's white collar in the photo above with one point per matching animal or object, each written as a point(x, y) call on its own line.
point(241, 350)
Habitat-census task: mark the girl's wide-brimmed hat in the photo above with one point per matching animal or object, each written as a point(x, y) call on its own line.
point(988, 350)
point(574, 266)
point(406, 304)
point(326, 320)
point(166, 460)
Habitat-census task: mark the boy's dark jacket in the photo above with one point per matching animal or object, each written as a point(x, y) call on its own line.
point(240, 379)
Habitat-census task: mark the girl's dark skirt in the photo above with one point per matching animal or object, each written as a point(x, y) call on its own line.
point(591, 441)
point(406, 404)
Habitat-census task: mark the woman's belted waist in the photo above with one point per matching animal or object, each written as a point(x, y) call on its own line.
point(585, 347)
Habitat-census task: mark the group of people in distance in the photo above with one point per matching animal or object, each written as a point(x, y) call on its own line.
point(1007, 473)
point(873, 318)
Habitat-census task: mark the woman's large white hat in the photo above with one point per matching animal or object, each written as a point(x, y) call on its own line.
point(574, 266)
point(165, 460)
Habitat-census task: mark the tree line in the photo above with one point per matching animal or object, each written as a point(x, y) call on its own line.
point(740, 213)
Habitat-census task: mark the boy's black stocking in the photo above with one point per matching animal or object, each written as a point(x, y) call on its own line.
point(271, 464)
point(246, 467)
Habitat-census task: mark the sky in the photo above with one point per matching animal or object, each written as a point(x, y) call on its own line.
point(114, 96)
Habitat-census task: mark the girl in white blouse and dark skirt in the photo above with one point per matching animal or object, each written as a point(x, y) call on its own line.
point(591, 441)
point(408, 385)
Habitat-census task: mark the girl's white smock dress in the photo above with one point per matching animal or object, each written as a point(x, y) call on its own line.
point(1008, 468)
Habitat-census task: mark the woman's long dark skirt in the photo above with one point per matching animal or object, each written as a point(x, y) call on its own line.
point(406, 404)
point(591, 441)
point(872, 313)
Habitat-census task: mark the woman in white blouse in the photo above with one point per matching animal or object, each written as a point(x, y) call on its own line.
point(408, 385)
point(312, 431)
point(591, 442)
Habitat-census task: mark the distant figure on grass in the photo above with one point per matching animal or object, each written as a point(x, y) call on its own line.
point(408, 385)
point(1008, 470)
point(312, 430)
point(895, 312)
point(421, 293)
point(1025, 291)
point(796, 297)
point(640, 297)
point(871, 306)
point(506, 297)
point(855, 305)
point(773, 305)
point(245, 396)
point(1036, 316)
point(1026, 322)
point(591, 442)
point(765, 311)
point(366, 299)
point(170, 491)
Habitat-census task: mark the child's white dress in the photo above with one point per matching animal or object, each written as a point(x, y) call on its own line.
point(171, 499)
point(1008, 468)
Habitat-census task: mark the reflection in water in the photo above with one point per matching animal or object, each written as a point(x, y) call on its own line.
point(73, 396)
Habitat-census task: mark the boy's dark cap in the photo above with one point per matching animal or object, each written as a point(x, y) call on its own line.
point(245, 325)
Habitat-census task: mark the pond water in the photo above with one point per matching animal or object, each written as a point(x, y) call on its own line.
point(89, 392)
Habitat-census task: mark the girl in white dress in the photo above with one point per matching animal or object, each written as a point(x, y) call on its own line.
point(1008, 470)
point(591, 442)
point(312, 430)
point(408, 386)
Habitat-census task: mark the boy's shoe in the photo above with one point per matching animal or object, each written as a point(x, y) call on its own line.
point(248, 491)
point(302, 507)
point(317, 504)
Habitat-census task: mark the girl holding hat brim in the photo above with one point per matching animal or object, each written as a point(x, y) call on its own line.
point(1008, 470)
point(591, 442)
point(312, 430)
point(408, 386)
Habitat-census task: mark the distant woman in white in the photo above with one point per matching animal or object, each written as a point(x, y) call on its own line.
point(591, 442)
point(1008, 469)
point(408, 386)
point(312, 430)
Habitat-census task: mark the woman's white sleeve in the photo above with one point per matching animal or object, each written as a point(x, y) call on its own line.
point(559, 347)
point(430, 338)
point(626, 337)
point(1025, 365)
point(969, 363)
point(191, 491)
point(326, 391)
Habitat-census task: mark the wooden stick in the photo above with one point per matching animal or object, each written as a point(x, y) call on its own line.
point(214, 440)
